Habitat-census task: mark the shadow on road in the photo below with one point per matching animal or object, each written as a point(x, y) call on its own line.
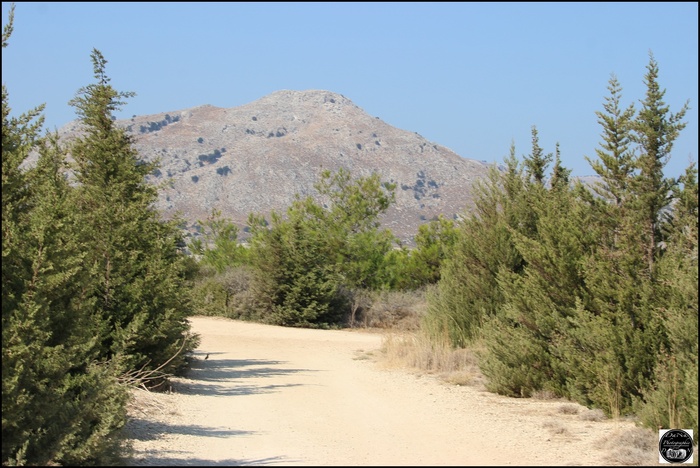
point(170, 458)
point(144, 429)
point(228, 377)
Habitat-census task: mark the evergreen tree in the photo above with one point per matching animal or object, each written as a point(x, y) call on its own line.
point(535, 165)
point(351, 223)
point(135, 258)
point(468, 291)
point(220, 276)
point(615, 163)
point(682, 220)
point(521, 336)
point(612, 346)
point(654, 130)
point(421, 266)
point(296, 282)
point(221, 248)
point(560, 174)
point(303, 263)
point(609, 349)
point(19, 136)
point(537, 162)
point(671, 399)
point(58, 406)
point(605, 328)
point(364, 260)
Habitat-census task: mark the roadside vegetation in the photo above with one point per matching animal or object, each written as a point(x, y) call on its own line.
point(94, 294)
point(546, 287)
point(585, 292)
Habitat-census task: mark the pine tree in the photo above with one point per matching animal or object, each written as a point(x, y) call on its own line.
point(560, 175)
point(221, 248)
point(609, 350)
point(351, 222)
point(135, 258)
point(19, 136)
point(296, 282)
point(670, 253)
point(58, 406)
point(421, 266)
point(615, 163)
point(671, 399)
point(654, 130)
point(468, 291)
point(612, 347)
point(682, 220)
point(521, 336)
point(537, 162)
point(303, 263)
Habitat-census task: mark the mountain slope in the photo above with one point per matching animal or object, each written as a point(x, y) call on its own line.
point(256, 157)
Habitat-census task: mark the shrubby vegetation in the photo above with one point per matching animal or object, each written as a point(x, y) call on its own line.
point(589, 294)
point(93, 292)
point(324, 263)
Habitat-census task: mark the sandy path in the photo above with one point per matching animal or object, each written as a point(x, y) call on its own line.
point(284, 396)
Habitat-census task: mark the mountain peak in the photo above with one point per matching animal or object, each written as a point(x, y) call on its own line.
point(256, 157)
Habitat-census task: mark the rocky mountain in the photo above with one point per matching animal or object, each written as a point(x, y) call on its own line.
point(256, 157)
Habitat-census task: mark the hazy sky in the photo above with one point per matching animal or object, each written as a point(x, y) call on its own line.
point(473, 77)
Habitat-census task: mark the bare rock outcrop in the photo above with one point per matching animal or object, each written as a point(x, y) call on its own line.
point(256, 157)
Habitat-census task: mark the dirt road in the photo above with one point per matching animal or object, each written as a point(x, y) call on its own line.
point(284, 396)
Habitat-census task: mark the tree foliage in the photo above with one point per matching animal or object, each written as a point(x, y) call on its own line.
point(589, 292)
point(411, 269)
point(615, 159)
point(58, 405)
point(91, 284)
point(468, 292)
point(655, 129)
point(305, 262)
point(134, 258)
point(671, 398)
point(220, 248)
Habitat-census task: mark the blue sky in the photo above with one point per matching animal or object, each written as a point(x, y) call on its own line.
point(473, 77)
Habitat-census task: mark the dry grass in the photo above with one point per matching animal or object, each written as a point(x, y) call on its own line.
point(637, 447)
point(146, 403)
point(416, 351)
point(544, 395)
point(405, 346)
point(396, 310)
point(569, 409)
point(593, 415)
point(556, 427)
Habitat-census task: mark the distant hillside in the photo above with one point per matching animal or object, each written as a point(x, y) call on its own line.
point(256, 157)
